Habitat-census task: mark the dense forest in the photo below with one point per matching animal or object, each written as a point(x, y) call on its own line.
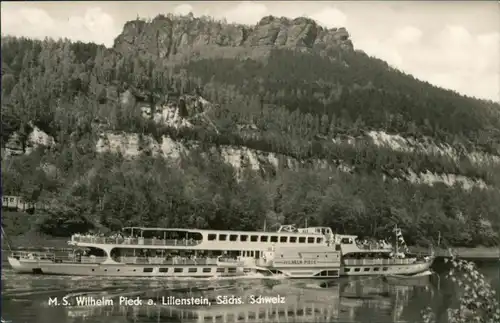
point(297, 102)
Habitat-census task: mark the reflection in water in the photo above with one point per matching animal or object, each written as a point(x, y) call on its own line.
point(25, 299)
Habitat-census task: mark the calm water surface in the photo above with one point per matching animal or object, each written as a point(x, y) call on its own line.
point(368, 299)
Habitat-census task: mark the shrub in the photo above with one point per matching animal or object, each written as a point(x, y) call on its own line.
point(478, 301)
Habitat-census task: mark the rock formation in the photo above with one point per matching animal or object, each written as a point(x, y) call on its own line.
point(167, 36)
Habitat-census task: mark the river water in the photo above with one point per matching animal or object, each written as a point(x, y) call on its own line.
point(25, 298)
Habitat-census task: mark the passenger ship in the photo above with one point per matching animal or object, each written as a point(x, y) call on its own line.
point(362, 260)
point(313, 252)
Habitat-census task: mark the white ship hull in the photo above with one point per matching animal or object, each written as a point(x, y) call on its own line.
point(392, 269)
point(48, 267)
point(308, 272)
point(144, 270)
point(26, 265)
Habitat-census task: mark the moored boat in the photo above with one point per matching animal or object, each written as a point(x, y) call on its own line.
point(380, 258)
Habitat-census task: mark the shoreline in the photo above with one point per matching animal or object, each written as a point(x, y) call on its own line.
point(469, 253)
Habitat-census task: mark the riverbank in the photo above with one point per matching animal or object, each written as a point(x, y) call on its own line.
point(34, 240)
point(474, 253)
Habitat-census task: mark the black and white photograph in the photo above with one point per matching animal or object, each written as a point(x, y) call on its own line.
point(250, 161)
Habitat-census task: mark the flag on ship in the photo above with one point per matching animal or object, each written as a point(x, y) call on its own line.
point(6, 239)
point(400, 240)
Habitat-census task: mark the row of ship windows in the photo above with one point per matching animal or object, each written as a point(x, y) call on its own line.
point(334, 273)
point(357, 270)
point(256, 238)
point(190, 270)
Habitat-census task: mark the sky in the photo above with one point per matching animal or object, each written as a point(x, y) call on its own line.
point(455, 45)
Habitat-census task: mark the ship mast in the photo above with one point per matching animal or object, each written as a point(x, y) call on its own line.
point(396, 234)
point(4, 237)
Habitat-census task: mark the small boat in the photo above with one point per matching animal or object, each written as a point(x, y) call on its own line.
point(359, 259)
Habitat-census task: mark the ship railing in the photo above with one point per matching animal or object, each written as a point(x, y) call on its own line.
point(135, 241)
point(229, 262)
point(79, 259)
point(32, 255)
point(37, 256)
point(163, 261)
point(374, 246)
point(92, 260)
point(362, 262)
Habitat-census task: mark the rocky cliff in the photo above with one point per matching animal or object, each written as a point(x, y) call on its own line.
point(167, 36)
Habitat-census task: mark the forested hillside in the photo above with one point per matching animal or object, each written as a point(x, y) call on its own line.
point(262, 131)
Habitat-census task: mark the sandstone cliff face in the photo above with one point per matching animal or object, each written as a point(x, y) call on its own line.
point(36, 138)
point(167, 36)
point(132, 145)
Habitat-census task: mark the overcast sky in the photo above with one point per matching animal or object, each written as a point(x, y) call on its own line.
point(455, 45)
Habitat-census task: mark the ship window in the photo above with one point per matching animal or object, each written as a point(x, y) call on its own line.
point(347, 270)
point(283, 238)
point(337, 248)
point(263, 238)
point(376, 269)
point(346, 241)
point(274, 239)
point(357, 269)
point(148, 270)
point(243, 237)
point(254, 238)
point(212, 237)
point(222, 237)
point(207, 270)
point(293, 239)
point(310, 240)
point(232, 270)
point(233, 237)
point(163, 270)
point(384, 269)
point(302, 240)
point(193, 270)
point(332, 272)
point(367, 269)
point(220, 270)
point(178, 270)
point(318, 240)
